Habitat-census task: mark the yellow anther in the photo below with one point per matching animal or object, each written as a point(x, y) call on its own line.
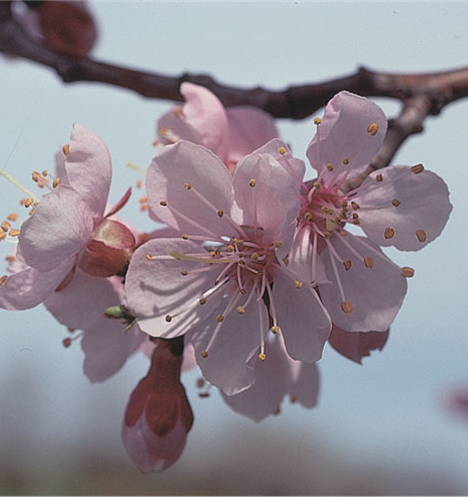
point(347, 264)
point(220, 213)
point(184, 236)
point(372, 129)
point(230, 248)
point(330, 167)
point(184, 273)
point(298, 284)
point(355, 216)
point(139, 183)
point(354, 205)
point(262, 356)
point(396, 202)
point(56, 183)
point(177, 111)
point(66, 149)
point(346, 307)
point(317, 120)
point(155, 143)
point(344, 204)
point(254, 257)
point(327, 234)
point(143, 199)
point(369, 262)
point(275, 329)
point(5, 226)
point(242, 291)
point(202, 301)
point(307, 216)
point(278, 243)
point(418, 168)
point(345, 162)
point(282, 150)
point(356, 222)
point(163, 203)
point(149, 257)
point(421, 234)
point(220, 318)
point(407, 272)
point(379, 177)
point(286, 260)
point(252, 183)
point(240, 242)
point(240, 310)
point(14, 232)
point(144, 207)
point(389, 233)
point(2, 235)
point(204, 354)
point(67, 342)
point(70, 329)
point(3, 279)
point(187, 186)
point(36, 177)
point(316, 185)
point(168, 318)
point(12, 217)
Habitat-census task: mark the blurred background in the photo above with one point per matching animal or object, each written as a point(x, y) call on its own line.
point(380, 428)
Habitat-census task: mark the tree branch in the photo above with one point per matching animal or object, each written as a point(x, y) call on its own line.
point(421, 94)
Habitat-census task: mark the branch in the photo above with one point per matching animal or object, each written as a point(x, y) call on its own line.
point(421, 95)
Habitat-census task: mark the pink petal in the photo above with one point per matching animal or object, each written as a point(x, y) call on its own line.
point(273, 203)
point(422, 203)
point(304, 322)
point(264, 397)
point(343, 133)
point(89, 168)
point(376, 294)
point(355, 345)
point(249, 129)
point(188, 164)
point(30, 287)
point(120, 204)
point(59, 228)
point(304, 383)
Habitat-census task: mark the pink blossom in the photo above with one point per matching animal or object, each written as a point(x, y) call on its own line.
point(403, 206)
point(224, 277)
point(230, 133)
point(69, 229)
point(158, 415)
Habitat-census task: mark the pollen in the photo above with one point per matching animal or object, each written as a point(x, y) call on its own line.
point(282, 150)
point(220, 318)
point(369, 262)
point(286, 260)
point(202, 301)
point(330, 167)
point(149, 257)
point(67, 342)
point(220, 213)
point(184, 273)
point(254, 257)
point(389, 233)
point(345, 162)
point(187, 186)
point(354, 205)
point(418, 168)
point(204, 354)
point(262, 356)
point(372, 129)
point(168, 318)
point(253, 183)
point(421, 234)
point(163, 203)
point(396, 202)
point(307, 216)
point(230, 248)
point(347, 264)
point(346, 307)
point(317, 121)
point(14, 232)
point(3, 279)
point(184, 236)
point(56, 183)
point(5, 226)
point(379, 178)
point(316, 185)
point(278, 243)
point(298, 284)
point(241, 310)
point(66, 149)
point(275, 329)
point(407, 272)
point(12, 217)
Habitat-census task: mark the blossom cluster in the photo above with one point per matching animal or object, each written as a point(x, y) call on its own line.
point(256, 268)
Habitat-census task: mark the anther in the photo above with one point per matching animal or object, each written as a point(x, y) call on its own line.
point(347, 264)
point(66, 149)
point(12, 217)
point(278, 243)
point(204, 354)
point(330, 167)
point(202, 301)
point(355, 216)
point(298, 284)
point(372, 129)
point(163, 203)
point(379, 178)
point(369, 262)
point(240, 310)
point(282, 150)
point(36, 176)
point(252, 183)
point(316, 185)
point(149, 257)
point(307, 216)
point(242, 291)
point(28, 202)
point(345, 162)
point(356, 222)
point(56, 183)
point(184, 236)
point(317, 121)
point(346, 307)
point(254, 257)
point(143, 199)
point(327, 234)
point(45, 173)
point(14, 232)
point(5, 226)
point(344, 204)
point(220, 213)
point(3, 279)
point(354, 205)
point(407, 272)
point(139, 183)
point(421, 234)
point(168, 318)
point(184, 273)
point(418, 168)
point(275, 329)
point(396, 202)
point(67, 342)
point(187, 186)
point(220, 318)
point(2, 235)
point(262, 356)
point(286, 260)
point(70, 329)
point(389, 233)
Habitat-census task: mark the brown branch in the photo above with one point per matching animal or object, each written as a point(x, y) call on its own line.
point(421, 94)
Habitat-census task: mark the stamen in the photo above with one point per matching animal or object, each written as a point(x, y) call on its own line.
point(372, 129)
point(240, 310)
point(282, 150)
point(5, 226)
point(330, 166)
point(346, 307)
point(3, 279)
point(389, 233)
point(262, 356)
point(421, 234)
point(396, 202)
point(369, 262)
point(22, 188)
point(2, 235)
point(379, 178)
point(418, 168)
point(12, 217)
point(345, 162)
point(133, 166)
point(14, 232)
point(56, 183)
point(317, 121)
point(347, 264)
point(298, 284)
point(66, 149)
point(168, 318)
point(252, 183)
point(275, 329)
point(407, 272)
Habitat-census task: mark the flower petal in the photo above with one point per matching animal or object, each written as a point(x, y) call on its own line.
point(304, 383)
point(59, 228)
point(343, 133)
point(375, 294)
point(303, 320)
point(169, 175)
point(415, 206)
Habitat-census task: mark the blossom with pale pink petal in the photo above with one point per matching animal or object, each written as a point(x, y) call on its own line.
point(230, 133)
point(158, 415)
point(223, 279)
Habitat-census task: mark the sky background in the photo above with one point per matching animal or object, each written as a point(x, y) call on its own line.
point(378, 428)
